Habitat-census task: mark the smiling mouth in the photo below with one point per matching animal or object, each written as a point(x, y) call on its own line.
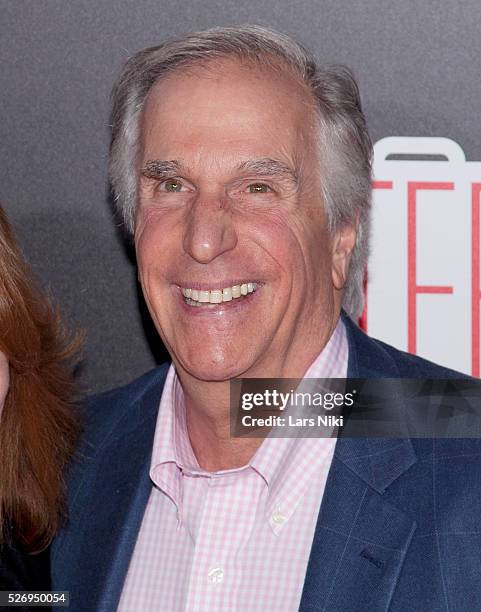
point(211, 298)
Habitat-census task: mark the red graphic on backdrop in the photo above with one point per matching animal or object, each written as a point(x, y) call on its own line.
point(423, 286)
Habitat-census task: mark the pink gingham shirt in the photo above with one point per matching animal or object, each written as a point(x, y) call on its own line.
point(238, 539)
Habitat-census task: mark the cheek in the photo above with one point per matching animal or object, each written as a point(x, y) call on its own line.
point(276, 234)
point(315, 237)
point(299, 244)
point(4, 379)
point(154, 237)
point(310, 259)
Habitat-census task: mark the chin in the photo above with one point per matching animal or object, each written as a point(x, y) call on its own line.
point(216, 369)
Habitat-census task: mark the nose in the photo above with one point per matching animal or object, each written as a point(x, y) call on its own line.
point(209, 229)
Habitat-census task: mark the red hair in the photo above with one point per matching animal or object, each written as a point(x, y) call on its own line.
point(38, 425)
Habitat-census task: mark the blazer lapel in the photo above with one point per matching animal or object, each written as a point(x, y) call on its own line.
point(361, 540)
point(129, 486)
point(109, 503)
point(359, 546)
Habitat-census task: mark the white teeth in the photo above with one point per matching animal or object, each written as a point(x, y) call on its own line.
point(216, 296)
point(198, 304)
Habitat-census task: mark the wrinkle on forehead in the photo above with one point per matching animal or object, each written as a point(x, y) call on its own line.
point(230, 101)
point(258, 69)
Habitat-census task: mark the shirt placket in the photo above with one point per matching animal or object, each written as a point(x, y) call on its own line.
point(228, 516)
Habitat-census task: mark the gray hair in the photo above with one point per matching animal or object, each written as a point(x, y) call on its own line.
point(345, 146)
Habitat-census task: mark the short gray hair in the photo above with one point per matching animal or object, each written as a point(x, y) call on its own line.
point(345, 145)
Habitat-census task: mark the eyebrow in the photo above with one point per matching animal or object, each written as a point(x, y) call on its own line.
point(156, 168)
point(269, 167)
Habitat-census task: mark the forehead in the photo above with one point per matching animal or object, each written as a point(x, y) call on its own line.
point(227, 104)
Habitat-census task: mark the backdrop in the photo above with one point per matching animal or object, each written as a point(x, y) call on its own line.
point(417, 64)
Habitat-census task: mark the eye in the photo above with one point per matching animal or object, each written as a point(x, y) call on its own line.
point(172, 185)
point(259, 188)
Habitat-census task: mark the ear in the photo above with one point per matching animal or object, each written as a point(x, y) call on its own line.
point(342, 245)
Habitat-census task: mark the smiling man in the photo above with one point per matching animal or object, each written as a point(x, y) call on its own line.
point(243, 170)
point(239, 270)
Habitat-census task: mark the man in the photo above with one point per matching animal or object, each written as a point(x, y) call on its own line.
point(243, 170)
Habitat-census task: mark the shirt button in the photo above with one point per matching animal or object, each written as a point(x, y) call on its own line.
point(278, 517)
point(216, 575)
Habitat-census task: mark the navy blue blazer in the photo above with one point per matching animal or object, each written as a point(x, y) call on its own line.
point(399, 527)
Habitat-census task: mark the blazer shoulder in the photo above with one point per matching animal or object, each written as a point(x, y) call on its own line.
point(103, 410)
point(370, 357)
point(413, 366)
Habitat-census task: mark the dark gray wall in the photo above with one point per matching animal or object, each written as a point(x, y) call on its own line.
point(418, 65)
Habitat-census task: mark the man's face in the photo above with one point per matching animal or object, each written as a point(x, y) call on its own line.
point(229, 201)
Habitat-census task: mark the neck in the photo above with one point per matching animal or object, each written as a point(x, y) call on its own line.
point(207, 405)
